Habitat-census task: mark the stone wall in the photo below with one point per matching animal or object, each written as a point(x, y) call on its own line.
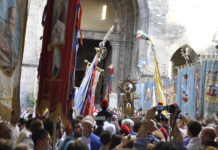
point(32, 50)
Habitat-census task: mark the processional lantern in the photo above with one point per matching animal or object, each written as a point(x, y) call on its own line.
point(128, 87)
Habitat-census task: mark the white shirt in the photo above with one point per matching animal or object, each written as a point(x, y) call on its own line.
point(14, 133)
point(193, 143)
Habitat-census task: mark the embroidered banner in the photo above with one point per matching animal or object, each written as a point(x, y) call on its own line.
point(81, 96)
point(210, 86)
point(169, 91)
point(139, 96)
point(57, 58)
point(148, 90)
point(144, 97)
point(186, 91)
point(13, 16)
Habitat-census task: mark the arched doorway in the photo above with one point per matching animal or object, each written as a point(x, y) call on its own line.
point(127, 18)
point(178, 59)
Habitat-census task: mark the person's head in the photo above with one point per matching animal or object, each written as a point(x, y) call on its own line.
point(80, 117)
point(5, 144)
point(165, 122)
point(28, 123)
point(48, 125)
point(21, 123)
point(128, 122)
point(105, 137)
point(59, 130)
point(5, 131)
point(165, 146)
point(100, 118)
point(87, 126)
point(152, 126)
point(104, 104)
point(124, 129)
point(36, 124)
point(78, 145)
point(100, 123)
point(115, 140)
point(150, 146)
point(41, 138)
point(207, 135)
point(22, 146)
point(77, 128)
point(114, 118)
point(194, 128)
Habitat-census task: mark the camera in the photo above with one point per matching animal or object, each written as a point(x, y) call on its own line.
point(170, 108)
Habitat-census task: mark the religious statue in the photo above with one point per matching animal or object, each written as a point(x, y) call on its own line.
point(128, 87)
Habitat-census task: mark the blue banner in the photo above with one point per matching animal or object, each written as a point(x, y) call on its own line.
point(149, 91)
point(139, 96)
point(186, 91)
point(210, 86)
point(144, 95)
point(80, 97)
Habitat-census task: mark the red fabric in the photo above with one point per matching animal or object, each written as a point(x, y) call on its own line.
point(164, 131)
point(45, 64)
point(160, 103)
point(104, 103)
point(90, 98)
point(125, 129)
point(56, 90)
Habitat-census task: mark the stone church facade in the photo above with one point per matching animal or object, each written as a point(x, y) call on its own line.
point(132, 59)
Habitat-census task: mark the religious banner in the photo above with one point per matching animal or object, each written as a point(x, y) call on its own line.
point(158, 81)
point(210, 89)
point(81, 96)
point(186, 91)
point(113, 100)
point(90, 98)
point(57, 59)
point(148, 91)
point(138, 96)
point(13, 16)
point(169, 90)
point(143, 97)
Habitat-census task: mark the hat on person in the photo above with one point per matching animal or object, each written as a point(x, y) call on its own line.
point(125, 129)
point(104, 104)
point(100, 118)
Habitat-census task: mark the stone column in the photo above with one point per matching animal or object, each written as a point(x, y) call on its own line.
point(114, 60)
point(143, 25)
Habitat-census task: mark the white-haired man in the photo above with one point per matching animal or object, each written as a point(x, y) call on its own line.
point(92, 141)
point(130, 124)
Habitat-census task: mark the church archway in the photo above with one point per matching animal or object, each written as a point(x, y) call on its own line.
point(178, 59)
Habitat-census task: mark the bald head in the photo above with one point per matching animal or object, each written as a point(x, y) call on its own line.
point(208, 135)
point(87, 126)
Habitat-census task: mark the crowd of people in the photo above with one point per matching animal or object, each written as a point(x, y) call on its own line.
point(107, 131)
